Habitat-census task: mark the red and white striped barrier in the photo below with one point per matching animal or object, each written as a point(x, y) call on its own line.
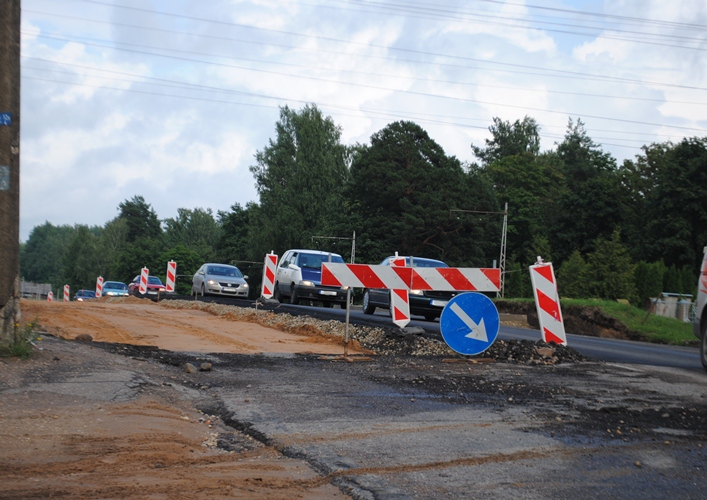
point(268, 286)
point(144, 274)
point(462, 279)
point(547, 301)
point(171, 276)
point(50, 296)
point(67, 293)
point(99, 287)
point(400, 300)
point(703, 276)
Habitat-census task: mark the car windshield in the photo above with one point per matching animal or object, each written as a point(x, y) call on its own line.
point(154, 280)
point(314, 261)
point(229, 271)
point(114, 285)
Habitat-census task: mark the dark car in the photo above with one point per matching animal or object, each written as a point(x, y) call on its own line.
point(154, 286)
point(427, 303)
point(299, 277)
point(82, 295)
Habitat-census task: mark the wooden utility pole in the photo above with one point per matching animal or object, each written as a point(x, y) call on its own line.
point(9, 170)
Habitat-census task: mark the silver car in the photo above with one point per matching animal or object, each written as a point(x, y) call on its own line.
point(219, 279)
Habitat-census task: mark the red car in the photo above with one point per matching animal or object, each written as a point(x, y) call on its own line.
point(154, 286)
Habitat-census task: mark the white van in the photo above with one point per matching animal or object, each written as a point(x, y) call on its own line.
point(700, 323)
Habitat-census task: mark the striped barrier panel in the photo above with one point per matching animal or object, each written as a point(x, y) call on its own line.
point(461, 279)
point(99, 287)
point(268, 286)
point(50, 296)
point(144, 274)
point(547, 302)
point(400, 300)
point(171, 276)
point(67, 293)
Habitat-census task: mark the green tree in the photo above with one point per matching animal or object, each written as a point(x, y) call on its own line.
point(521, 137)
point(300, 176)
point(141, 219)
point(144, 252)
point(42, 255)
point(237, 241)
point(610, 270)
point(648, 279)
point(530, 185)
point(81, 262)
point(572, 277)
point(404, 190)
point(592, 205)
point(673, 217)
point(195, 229)
point(188, 263)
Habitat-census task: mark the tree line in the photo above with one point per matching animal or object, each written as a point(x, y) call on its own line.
point(612, 231)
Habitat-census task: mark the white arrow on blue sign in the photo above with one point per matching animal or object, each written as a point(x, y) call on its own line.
point(470, 323)
point(6, 119)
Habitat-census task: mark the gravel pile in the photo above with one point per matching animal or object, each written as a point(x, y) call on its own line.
point(389, 341)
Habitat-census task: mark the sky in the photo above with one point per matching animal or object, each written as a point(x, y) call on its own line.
point(171, 99)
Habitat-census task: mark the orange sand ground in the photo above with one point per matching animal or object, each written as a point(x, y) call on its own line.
point(156, 445)
point(143, 322)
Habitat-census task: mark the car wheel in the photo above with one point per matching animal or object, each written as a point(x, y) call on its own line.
point(430, 317)
point(368, 308)
point(203, 291)
point(703, 347)
point(293, 297)
point(276, 292)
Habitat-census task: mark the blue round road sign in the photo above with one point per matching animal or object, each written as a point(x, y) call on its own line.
point(470, 323)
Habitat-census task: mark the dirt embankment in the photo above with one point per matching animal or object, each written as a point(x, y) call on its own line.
point(589, 321)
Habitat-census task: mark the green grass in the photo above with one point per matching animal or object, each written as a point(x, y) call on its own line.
point(655, 328)
point(22, 347)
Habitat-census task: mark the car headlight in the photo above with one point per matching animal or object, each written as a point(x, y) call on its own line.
point(344, 288)
point(244, 285)
point(212, 282)
point(416, 292)
point(306, 283)
point(162, 289)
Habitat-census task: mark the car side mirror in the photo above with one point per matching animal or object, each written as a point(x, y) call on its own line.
point(201, 272)
point(245, 277)
point(293, 267)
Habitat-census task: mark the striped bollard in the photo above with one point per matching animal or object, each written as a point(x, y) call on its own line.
point(400, 299)
point(50, 296)
point(268, 286)
point(547, 302)
point(144, 274)
point(171, 276)
point(99, 287)
point(67, 294)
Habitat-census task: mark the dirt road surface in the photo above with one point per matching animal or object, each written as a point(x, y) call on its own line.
point(270, 417)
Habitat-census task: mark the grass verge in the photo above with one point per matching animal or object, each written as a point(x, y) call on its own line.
point(23, 344)
point(656, 329)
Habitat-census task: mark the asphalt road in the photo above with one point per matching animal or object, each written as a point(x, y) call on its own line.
point(610, 350)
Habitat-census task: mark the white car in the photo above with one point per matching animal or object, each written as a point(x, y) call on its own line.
point(219, 279)
point(299, 277)
point(700, 323)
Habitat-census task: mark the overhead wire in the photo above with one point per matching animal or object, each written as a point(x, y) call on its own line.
point(387, 89)
point(427, 79)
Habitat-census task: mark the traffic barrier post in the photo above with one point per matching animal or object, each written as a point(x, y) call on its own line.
point(547, 302)
point(171, 276)
point(267, 289)
point(67, 294)
point(99, 287)
point(144, 275)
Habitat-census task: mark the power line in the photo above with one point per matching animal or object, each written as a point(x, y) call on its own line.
point(387, 89)
point(551, 91)
point(188, 85)
point(401, 49)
